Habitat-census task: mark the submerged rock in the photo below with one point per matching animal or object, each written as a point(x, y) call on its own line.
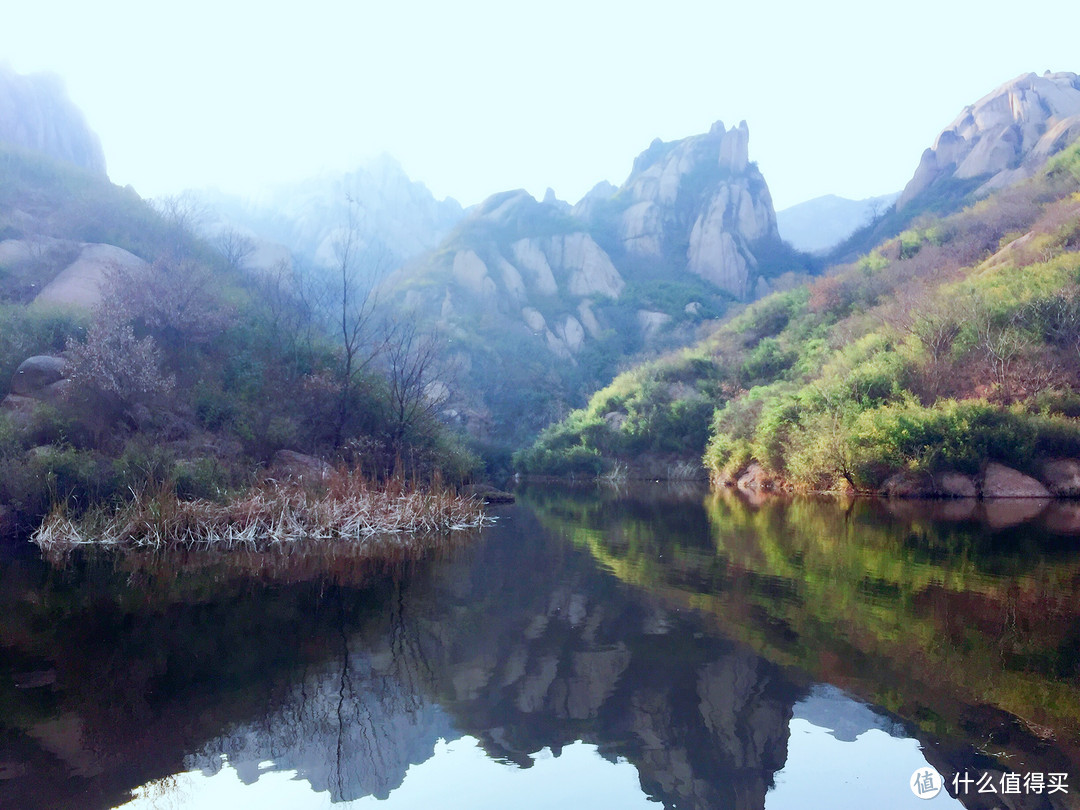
point(488, 494)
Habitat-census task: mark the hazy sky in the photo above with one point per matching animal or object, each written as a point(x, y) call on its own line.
point(477, 97)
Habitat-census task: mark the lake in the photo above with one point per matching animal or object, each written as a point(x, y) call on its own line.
point(598, 647)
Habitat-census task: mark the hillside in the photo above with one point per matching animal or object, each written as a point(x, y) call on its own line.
point(539, 302)
point(135, 356)
point(949, 347)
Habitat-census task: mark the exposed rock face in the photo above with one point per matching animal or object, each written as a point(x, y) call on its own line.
point(1000, 481)
point(80, 283)
point(534, 295)
point(700, 191)
point(1004, 136)
point(36, 114)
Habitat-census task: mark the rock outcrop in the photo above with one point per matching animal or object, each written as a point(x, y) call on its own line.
point(41, 379)
point(698, 202)
point(80, 283)
point(36, 114)
point(1004, 136)
point(535, 295)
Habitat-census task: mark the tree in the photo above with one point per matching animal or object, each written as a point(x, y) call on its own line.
point(235, 247)
point(358, 266)
point(414, 388)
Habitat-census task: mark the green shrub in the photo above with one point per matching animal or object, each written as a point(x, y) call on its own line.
point(955, 435)
point(201, 478)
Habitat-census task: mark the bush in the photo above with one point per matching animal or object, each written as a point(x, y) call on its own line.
point(955, 436)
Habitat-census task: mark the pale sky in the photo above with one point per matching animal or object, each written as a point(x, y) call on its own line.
point(477, 97)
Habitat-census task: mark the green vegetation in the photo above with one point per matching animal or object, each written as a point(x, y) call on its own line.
point(955, 343)
point(192, 374)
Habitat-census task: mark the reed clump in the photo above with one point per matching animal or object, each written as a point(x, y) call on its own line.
point(345, 508)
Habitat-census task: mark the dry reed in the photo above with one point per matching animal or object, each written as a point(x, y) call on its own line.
point(347, 509)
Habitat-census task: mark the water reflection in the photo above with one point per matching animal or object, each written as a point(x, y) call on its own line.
point(668, 645)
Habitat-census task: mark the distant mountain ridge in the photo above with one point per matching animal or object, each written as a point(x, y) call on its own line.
point(36, 114)
point(396, 218)
point(823, 222)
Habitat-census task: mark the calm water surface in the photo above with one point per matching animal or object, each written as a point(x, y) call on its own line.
point(597, 649)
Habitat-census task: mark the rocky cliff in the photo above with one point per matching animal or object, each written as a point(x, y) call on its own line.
point(36, 114)
point(553, 296)
point(697, 202)
point(1003, 137)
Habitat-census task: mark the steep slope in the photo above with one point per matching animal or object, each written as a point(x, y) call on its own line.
point(1005, 136)
point(948, 351)
point(541, 301)
point(36, 114)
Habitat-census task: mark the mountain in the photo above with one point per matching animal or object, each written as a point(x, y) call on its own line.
point(818, 224)
point(396, 218)
point(540, 300)
point(1005, 136)
point(36, 114)
point(944, 361)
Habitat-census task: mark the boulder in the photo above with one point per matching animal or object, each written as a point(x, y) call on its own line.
point(38, 372)
point(754, 478)
point(19, 407)
point(908, 484)
point(299, 466)
point(1000, 481)
point(80, 283)
point(956, 485)
point(1062, 477)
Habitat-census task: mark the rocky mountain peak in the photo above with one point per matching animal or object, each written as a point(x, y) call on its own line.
point(36, 114)
point(1003, 137)
point(700, 202)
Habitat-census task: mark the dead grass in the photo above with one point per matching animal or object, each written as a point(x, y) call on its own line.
point(349, 509)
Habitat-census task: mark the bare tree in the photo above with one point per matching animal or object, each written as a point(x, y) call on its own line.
point(414, 388)
point(184, 214)
point(358, 267)
point(235, 247)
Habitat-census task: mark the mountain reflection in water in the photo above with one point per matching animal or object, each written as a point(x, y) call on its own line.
point(596, 648)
